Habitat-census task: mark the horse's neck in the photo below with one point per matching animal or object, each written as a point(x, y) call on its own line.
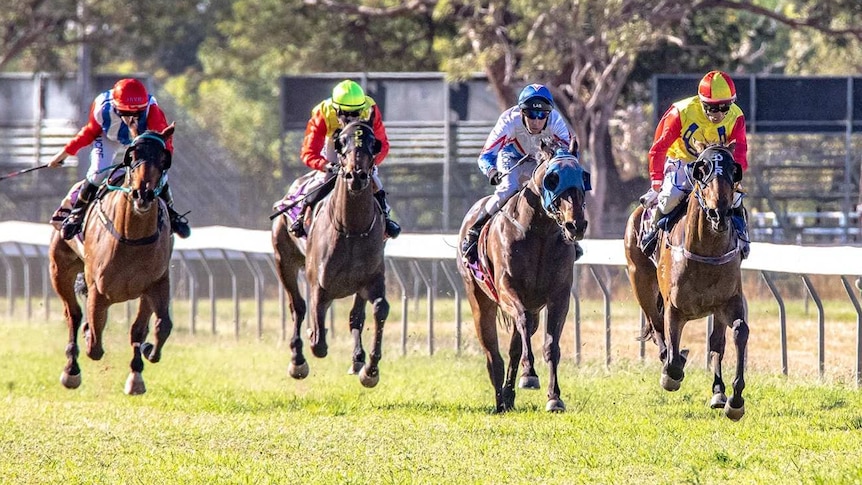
point(528, 211)
point(700, 237)
point(352, 212)
point(128, 222)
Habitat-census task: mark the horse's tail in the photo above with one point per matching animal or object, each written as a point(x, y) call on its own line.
point(647, 329)
point(505, 320)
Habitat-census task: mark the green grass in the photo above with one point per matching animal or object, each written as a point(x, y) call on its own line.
point(220, 410)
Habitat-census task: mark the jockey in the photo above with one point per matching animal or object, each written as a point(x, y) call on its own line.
point(348, 103)
point(508, 157)
point(712, 116)
point(116, 117)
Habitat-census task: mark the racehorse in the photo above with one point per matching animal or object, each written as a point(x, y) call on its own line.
point(124, 251)
point(526, 256)
point(343, 257)
point(697, 273)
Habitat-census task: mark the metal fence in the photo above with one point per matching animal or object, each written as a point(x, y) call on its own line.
point(237, 265)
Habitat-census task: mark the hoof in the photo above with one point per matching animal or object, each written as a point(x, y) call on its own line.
point(669, 383)
point(69, 381)
point(319, 351)
point(147, 350)
point(555, 406)
point(355, 368)
point(135, 384)
point(298, 371)
point(718, 400)
point(529, 382)
point(368, 380)
point(735, 414)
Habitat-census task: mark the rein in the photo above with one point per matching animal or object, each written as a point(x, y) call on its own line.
point(109, 225)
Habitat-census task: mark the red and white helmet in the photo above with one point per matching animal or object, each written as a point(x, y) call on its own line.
point(130, 95)
point(716, 88)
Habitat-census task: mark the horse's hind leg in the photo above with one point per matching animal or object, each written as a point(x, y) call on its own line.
point(529, 378)
point(485, 321)
point(370, 373)
point(64, 271)
point(357, 322)
point(288, 259)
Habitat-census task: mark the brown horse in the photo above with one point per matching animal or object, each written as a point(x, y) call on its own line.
point(697, 274)
point(527, 252)
point(124, 252)
point(343, 257)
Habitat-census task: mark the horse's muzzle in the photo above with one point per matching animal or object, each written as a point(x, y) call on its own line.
point(718, 219)
point(143, 198)
point(357, 180)
point(574, 231)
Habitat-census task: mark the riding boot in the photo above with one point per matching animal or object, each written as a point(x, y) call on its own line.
point(72, 224)
point(392, 227)
point(649, 239)
point(311, 199)
point(179, 223)
point(470, 244)
point(740, 222)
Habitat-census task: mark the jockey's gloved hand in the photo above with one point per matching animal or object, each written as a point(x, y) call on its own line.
point(494, 177)
point(650, 198)
point(332, 167)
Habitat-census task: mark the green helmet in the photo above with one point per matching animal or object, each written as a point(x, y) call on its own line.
point(348, 96)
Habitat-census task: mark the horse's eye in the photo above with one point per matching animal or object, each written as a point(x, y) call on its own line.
point(552, 181)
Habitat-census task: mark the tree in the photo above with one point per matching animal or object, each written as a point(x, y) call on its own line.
point(586, 51)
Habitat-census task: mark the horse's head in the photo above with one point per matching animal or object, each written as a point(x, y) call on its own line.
point(563, 184)
point(356, 147)
point(148, 160)
point(714, 176)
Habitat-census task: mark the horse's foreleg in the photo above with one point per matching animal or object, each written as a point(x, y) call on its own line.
point(317, 330)
point(97, 317)
point(557, 310)
point(529, 378)
point(717, 342)
point(516, 349)
point(673, 371)
point(158, 298)
point(138, 335)
point(370, 373)
point(735, 407)
point(64, 285)
point(357, 322)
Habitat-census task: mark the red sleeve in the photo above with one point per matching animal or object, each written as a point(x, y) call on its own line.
point(86, 135)
point(380, 134)
point(314, 141)
point(740, 150)
point(157, 121)
point(668, 131)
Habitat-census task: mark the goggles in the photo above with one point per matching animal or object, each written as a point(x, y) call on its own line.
point(716, 108)
point(130, 113)
point(343, 113)
point(536, 114)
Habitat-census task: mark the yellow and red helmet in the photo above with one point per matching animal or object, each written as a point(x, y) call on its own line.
point(716, 88)
point(130, 95)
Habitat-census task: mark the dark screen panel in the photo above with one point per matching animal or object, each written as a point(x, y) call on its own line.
point(801, 99)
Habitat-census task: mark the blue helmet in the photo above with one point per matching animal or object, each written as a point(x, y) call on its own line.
point(536, 96)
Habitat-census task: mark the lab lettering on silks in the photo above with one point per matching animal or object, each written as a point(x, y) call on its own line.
point(511, 136)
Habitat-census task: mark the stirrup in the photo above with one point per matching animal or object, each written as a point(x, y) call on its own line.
point(298, 228)
point(71, 226)
point(392, 229)
point(179, 223)
point(470, 246)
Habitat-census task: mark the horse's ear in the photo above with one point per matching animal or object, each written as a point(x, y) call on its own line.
point(336, 140)
point(573, 146)
point(737, 173)
point(167, 132)
point(730, 146)
point(699, 146)
point(127, 157)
